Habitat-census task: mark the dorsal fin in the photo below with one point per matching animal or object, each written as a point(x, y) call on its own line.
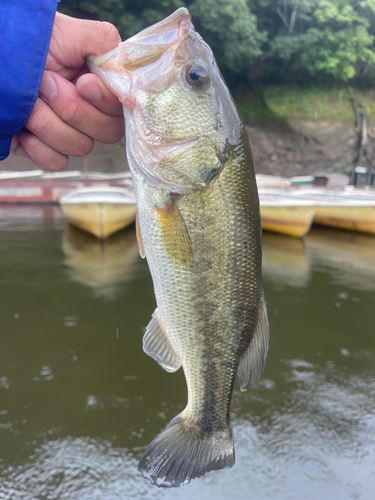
point(253, 360)
point(156, 344)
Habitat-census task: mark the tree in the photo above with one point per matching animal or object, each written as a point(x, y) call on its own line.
point(282, 40)
point(227, 25)
point(331, 37)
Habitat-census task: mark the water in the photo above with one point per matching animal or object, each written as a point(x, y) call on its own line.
point(80, 401)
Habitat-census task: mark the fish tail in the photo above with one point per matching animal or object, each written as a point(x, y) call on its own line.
point(182, 452)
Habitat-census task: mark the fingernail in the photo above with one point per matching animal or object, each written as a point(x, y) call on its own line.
point(48, 87)
point(89, 90)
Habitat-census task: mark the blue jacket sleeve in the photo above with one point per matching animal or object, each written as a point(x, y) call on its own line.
point(25, 33)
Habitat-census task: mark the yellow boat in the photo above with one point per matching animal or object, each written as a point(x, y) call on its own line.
point(100, 210)
point(286, 215)
point(342, 209)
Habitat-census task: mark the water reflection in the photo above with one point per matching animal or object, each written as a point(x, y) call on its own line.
point(28, 217)
point(80, 401)
point(102, 265)
point(285, 260)
point(350, 255)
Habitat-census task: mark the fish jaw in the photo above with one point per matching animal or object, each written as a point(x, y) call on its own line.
point(118, 67)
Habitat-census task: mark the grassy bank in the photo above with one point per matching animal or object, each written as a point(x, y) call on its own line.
point(302, 102)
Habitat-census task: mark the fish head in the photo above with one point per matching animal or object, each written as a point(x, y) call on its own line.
point(180, 116)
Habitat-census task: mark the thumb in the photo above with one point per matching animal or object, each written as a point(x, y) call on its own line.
point(74, 39)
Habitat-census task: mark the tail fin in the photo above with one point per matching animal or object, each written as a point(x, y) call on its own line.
point(182, 452)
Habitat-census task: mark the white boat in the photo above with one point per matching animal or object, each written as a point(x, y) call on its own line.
point(107, 176)
point(13, 175)
point(66, 174)
point(100, 210)
point(272, 181)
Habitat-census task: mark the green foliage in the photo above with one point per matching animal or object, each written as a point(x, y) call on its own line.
point(263, 40)
point(231, 30)
point(330, 103)
point(331, 37)
point(129, 16)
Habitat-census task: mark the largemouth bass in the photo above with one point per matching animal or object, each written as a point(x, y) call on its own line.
point(199, 228)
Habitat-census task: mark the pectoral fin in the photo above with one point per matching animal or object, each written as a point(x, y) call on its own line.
point(175, 236)
point(156, 344)
point(253, 360)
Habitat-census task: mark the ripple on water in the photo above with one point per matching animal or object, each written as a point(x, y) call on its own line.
point(73, 468)
point(300, 369)
point(44, 375)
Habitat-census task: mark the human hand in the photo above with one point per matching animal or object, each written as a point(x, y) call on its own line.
point(66, 119)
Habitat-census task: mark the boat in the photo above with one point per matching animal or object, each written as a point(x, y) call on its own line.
point(272, 181)
point(29, 174)
point(342, 209)
point(100, 210)
point(37, 186)
point(285, 214)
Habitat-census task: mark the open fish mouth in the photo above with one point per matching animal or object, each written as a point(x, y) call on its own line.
point(134, 64)
point(147, 46)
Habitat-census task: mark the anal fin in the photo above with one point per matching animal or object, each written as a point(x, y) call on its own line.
point(253, 360)
point(156, 344)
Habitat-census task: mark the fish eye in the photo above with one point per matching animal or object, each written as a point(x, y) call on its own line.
point(197, 76)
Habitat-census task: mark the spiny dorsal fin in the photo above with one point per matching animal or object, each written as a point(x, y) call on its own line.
point(173, 229)
point(253, 360)
point(138, 233)
point(156, 344)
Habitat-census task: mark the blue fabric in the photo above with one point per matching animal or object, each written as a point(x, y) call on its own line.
point(25, 33)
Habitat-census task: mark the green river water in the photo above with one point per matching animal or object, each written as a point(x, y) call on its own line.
point(80, 401)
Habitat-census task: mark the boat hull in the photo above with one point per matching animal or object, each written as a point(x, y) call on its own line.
point(293, 221)
point(100, 219)
point(353, 218)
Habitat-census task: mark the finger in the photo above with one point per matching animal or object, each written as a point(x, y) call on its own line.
point(63, 98)
point(17, 149)
point(74, 39)
point(56, 133)
point(40, 153)
point(91, 88)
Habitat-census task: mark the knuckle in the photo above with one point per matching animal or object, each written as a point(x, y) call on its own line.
point(84, 146)
point(117, 134)
point(113, 133)
point(60, 163)
point(40, 122)
point(71, 112)
point(32, 145)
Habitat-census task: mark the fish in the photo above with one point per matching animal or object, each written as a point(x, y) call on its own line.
point(198, 225)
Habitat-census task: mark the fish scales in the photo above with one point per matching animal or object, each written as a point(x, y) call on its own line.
point(199, 227)
point(207, 320)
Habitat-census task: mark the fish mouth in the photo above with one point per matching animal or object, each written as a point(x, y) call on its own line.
point(148, 46)
point(118, 68)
